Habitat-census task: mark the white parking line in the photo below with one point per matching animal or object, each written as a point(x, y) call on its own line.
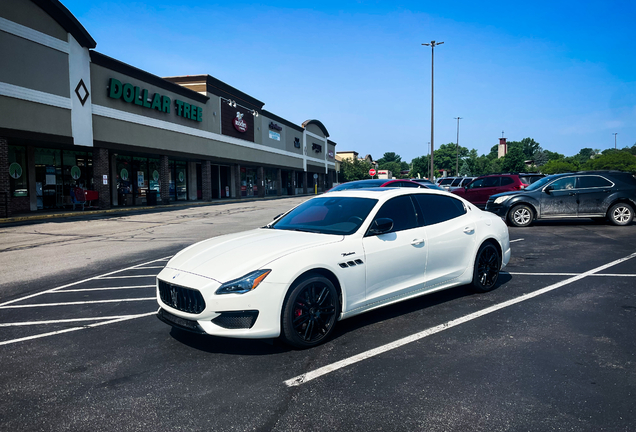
point(126, 277)
point(103, 289)
point(570, 274)
point(129, 317)
point(308, 376)
point(61, 321)
point(76, 303)
point(79, 282)
point(512, 241)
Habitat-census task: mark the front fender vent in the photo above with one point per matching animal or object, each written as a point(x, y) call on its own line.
point(351, 263)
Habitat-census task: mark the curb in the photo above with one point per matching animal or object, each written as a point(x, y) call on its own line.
point(35, 217)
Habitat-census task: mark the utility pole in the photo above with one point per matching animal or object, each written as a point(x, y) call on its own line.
point(615, 133)
point(433, 44)
point(457, 163)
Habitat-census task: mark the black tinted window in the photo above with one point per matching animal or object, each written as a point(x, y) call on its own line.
point(401, 211)
point(438, 208)
point(563, 183)
point(506, 181)
point(477, 183)
point(409, 184)
point(456, 182)
point(491, 181)
point(593, 182)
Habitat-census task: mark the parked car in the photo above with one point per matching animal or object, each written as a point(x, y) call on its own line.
point(460, 182)
point(586, 194)
point(427, 184)
point(330, 258)
point(480, 189)
point(371, 183)
point(445, 182)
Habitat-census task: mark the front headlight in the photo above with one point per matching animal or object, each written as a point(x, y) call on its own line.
point(245, 284)
point(501, 199)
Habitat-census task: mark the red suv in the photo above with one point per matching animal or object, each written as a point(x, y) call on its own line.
point(479, 190)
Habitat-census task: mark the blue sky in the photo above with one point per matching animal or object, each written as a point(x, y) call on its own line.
point(563, 73)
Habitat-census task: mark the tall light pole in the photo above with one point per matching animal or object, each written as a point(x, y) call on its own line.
point(433, 44)
point(615, 133)
point(457, 163)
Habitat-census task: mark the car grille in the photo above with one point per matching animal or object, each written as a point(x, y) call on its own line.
point(180, 298)
point(236, 320)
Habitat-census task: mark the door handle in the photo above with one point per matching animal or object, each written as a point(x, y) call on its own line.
point(469, 230)
point(416, 242)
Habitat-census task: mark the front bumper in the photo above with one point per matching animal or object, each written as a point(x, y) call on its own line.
point(264, 305)
point(498, 209)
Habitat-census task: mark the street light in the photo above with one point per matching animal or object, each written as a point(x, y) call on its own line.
point(433, 44)
point(615, 133)
point(457, 163)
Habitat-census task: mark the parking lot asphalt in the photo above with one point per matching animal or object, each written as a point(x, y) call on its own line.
point(552, 348)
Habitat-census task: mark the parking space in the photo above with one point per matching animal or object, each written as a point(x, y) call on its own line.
point(551, 348)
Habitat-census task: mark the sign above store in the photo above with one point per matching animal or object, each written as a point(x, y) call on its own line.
point(139, 96)
point(316, 147)
point(275, 127)
point(239, 123)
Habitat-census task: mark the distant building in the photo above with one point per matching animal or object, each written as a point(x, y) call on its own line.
point(503, 148)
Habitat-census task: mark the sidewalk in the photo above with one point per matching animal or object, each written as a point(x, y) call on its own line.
point(63, 213)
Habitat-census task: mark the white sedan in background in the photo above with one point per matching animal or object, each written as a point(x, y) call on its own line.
point(332, 257)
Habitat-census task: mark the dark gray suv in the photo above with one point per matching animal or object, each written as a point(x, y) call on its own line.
point(586, 194)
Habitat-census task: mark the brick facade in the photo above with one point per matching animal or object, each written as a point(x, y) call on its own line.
point(101, 168)
point(206, 180)
point(5, 198)
point(164, 180)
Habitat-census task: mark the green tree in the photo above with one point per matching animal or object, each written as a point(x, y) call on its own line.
point(494, 152)
point(446, 157)
point(557, 166)
point(513, 161)
point(465, 169)
point(540, 158)
point(389, 157)
point(420, 166)
point(617, 160)
point(354, 169)
point(553, 155)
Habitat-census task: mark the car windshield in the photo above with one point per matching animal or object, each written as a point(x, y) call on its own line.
point(328, 215)
point(540, 183)
point(359, 185)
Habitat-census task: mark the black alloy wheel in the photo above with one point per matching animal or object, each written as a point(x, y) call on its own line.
point(310, 312)
point(487, 265)
point(521, 215)
point(621, 214)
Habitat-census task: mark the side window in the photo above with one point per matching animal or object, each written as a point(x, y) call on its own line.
point(408, 184)
point(507, 181)
point(563, 183)
point(439, 208)
point(477, 184)
point(456, 182)
point(491, 181)
point(593, 182)
point(401, 211)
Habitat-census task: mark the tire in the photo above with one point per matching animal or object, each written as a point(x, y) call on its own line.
point(521, 215)
point(310, 312)
point(486, 269)
point(621, 214)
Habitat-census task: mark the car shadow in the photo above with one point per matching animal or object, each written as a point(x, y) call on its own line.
point(264, 347)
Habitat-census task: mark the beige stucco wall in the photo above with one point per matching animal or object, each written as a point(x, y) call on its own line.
point(28, 14)
point(34, 66)
point(34, 117)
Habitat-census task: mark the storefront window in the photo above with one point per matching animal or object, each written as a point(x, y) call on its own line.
point(77, 171)
point(181, 178)
point(48, 178)
point(249, 185)
point(141, 180)
point(271, 181)
point(153, 174)
point(18, 171)
point(124, 181)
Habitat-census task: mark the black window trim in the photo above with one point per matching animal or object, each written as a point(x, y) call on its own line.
point(594, 187)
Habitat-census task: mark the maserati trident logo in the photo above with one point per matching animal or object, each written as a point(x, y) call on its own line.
point(174, 297)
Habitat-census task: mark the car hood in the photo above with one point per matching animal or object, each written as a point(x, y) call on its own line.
point(231, 256)
point(521, 192)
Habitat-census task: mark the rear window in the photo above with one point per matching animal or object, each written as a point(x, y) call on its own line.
point(593, 182)
point(439, 208)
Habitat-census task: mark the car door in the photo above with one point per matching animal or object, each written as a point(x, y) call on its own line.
point(395, 262)
point(593, 191)
point(559, 198)
point(450, 232)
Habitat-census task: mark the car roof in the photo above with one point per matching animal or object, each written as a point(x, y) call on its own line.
point(384, 194)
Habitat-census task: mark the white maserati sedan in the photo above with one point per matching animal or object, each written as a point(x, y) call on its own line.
point(332, 257)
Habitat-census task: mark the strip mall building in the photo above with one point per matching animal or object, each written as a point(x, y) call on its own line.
point(72, 117)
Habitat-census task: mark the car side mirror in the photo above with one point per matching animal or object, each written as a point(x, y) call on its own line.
point(548, 189)
point(276, 217)
point(381, 226)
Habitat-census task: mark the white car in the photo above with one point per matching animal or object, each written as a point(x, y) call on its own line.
point(332, 257)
